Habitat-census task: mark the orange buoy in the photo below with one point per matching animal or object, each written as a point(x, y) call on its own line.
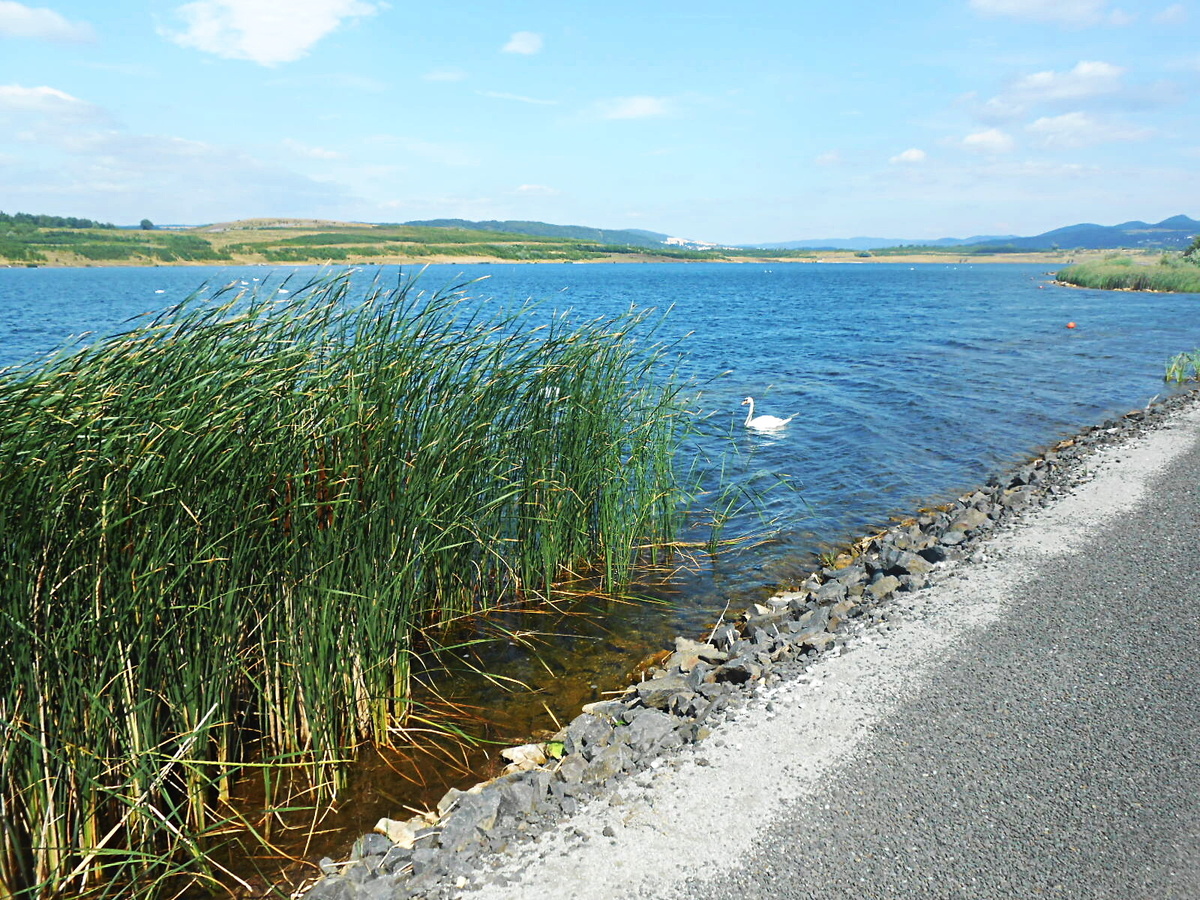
point(1070, 324)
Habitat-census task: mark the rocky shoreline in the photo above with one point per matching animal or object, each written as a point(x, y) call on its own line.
point(702, 683)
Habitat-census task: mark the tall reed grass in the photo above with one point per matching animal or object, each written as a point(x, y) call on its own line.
point(222, 529)
point(1122, 275)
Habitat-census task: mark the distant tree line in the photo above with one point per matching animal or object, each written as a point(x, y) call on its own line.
point(40, 221)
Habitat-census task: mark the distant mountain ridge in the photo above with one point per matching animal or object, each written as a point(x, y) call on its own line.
point(1174, 233)
point(878, 243)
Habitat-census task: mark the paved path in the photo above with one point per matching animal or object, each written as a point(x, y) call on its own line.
point(1029, 728)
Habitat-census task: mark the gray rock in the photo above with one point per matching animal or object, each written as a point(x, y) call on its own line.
point(572, 767)
point(794, 632)
point(953, 537)
point(816, 617)
point(423, 860)
point(688, 654)
point(724, 636)
point(611, 761)
point(606, 709)
point(934, 553)
point(970, 520)
point(588, 734)
point(333, 887)
point(474, 813)
point(839, 612)
point(819, 641)
point(763, 635)
point(657, 692)
point(519, 795)
point(739, 670)
point(370, 845)
point(651, 731)
point(377, 889)
point(680, 703)
point(882, 587)
point(831, 592)
point(904, 562)
point(395, 859)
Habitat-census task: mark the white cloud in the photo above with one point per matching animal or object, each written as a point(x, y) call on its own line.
point(829, 158)
point(46, 115)
point(537, 190)
point(911, 156)
point(1091, 83)
point(445, 74)
point(308, 151)
point(1087, 79)
point(995, 110)
point(499, 95)
point(443, 153)
point(1175, 14)
point(633, 108)
point(1067, 12)
point(76, 153)
point(1077, 129)
point(16, 97)
point(264, 31)
point(993, 141)
point(524, 42)
point(20, 21)
point(347, 80)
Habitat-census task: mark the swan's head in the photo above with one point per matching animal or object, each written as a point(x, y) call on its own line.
point(747, 400)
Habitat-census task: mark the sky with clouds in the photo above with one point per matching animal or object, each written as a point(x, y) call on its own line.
point(768, 120)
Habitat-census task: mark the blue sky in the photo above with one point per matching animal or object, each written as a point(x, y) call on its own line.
point(715, 121)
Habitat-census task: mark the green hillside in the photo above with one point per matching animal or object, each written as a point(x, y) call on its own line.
point(632, 237)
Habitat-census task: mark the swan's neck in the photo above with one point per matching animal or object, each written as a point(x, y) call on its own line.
point(750, 415)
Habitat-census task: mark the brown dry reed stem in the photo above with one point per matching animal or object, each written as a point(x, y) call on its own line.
point(222, 527)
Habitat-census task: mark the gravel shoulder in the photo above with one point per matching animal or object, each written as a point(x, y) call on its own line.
point(1029, 725)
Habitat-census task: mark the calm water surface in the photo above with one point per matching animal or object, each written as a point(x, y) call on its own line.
point(910, 384)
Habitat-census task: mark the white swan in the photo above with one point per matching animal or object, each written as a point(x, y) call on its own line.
point(763, 423)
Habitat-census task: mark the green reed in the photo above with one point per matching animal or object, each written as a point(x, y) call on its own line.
point(1121, 274)
point(1183, 367)
point(223, 528)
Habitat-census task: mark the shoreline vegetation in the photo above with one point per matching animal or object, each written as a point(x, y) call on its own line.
point(230, 533)
point(1169, 273)
point(312, 242)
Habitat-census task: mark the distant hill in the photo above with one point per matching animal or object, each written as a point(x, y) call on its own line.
point(631, 237)
point(873, 243)
point(1174, 233)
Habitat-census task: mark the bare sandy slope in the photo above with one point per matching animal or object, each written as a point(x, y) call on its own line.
point(698, 814)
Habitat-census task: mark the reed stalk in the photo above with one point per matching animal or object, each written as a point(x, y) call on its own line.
point(222, 528)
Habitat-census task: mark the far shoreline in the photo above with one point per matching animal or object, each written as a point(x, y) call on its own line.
point(831, 257)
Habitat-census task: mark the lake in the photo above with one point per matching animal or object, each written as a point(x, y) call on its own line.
point(910, 383)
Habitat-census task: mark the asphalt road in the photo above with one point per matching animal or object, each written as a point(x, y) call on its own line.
point(1030, 728)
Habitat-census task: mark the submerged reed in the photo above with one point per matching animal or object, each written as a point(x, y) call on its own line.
point(1183, 367)
point(222, 528)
